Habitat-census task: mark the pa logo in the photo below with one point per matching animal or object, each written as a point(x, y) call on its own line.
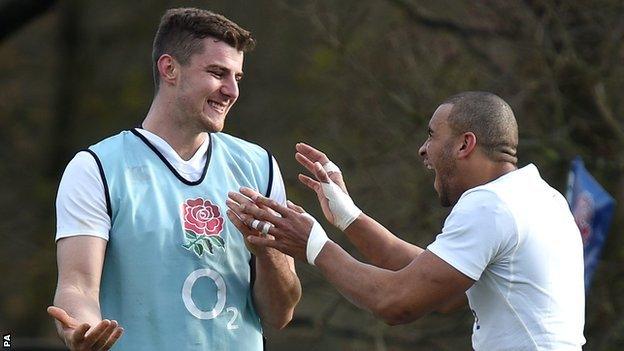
point(6, 341)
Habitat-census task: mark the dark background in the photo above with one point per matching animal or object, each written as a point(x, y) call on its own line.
point(358, 79)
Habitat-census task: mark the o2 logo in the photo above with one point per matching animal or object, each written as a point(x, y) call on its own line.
point(221, 297)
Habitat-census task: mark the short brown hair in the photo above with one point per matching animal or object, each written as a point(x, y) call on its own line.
point(181, 31)
point(490, 118)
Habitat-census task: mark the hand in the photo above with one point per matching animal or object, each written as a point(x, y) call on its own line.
point(307, 155)
point(234, 201)
point(81, 336)
point(337, 205)
point(288, 233)
point(314, 160)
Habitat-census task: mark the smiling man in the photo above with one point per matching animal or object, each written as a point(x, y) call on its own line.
point(510, 243)
point(142, 241)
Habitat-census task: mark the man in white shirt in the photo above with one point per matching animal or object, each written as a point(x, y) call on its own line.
point(141, 214)
point(510, 243)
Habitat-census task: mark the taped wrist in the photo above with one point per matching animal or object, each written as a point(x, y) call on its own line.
point(340, 204)
point(316, 240)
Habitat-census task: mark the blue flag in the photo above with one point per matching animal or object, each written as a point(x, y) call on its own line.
point(592, 208)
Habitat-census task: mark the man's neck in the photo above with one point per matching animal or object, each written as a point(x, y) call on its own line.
point(165, 121)
point(479, 173)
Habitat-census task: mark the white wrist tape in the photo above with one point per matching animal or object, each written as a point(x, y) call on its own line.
point(340, 205)
point(317, 239)
point(331, 167)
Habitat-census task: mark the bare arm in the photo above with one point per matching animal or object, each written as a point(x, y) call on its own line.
point(426, 284)
point(77, 308)
point(277, 289)
point(382, 248)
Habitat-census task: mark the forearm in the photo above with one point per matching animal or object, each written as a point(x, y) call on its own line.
point(380, 247)
point(81, 304)
point(277, 289)
point(368, 287)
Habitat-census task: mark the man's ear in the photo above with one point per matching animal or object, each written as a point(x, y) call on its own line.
point(468, 145)
point(168, 69)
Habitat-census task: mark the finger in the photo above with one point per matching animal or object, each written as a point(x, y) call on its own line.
point(238, 223)
point(113, 338)
point(294, 207)
point(249, 213)
point(234, 206)
point(239, 198)
point(320, 173)
point(305, 162)
point(311, 153)
point(265, 242)
point(62, 316)
point(78, 336)
point(96, 333)
point(249, 192)
point(102, 340)
point(272, 204)
point(309, 182)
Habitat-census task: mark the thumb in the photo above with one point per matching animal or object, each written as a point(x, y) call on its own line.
point(60, 315)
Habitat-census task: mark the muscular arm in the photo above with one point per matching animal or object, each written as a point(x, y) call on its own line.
point(426, 284)
point(77, 309)
point(277, 289)
point(80, 260)
point(382, 248)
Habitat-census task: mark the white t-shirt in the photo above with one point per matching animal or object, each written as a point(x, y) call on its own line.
point(516, 237)
point(81, 202)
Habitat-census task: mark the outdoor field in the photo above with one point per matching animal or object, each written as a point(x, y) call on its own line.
point(357, 79)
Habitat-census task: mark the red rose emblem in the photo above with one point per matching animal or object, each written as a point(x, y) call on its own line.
point(202, 225)
point(202, 217)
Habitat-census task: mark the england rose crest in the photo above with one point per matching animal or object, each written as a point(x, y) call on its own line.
point(202, 225)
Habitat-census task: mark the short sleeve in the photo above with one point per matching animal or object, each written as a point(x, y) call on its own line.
point(278, 190)
point(80, 201)
point(478, 232)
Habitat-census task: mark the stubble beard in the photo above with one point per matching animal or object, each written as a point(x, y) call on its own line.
point(446, 171)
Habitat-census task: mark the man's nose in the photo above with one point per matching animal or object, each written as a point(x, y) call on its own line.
point(230, 88)
point(423, 150)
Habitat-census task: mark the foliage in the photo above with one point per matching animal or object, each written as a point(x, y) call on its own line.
point(358, 79)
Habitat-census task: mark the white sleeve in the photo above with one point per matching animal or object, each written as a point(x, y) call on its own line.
point(80, 201)
point(479, 231)
point(278, 190)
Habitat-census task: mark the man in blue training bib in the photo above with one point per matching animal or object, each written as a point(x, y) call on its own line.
point(144, 245)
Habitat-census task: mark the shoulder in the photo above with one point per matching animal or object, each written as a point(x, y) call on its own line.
point(83, 163)
point(482, 210)
point(112, 142)
point(481, 200)
point(237, 145)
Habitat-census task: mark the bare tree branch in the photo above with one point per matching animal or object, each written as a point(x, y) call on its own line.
point(418, 15)
point(600, 98)
point(16, 13)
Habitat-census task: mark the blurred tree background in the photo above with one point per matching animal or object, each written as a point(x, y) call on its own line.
point(358, 79)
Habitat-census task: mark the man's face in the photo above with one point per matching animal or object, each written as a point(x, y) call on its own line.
point(437, 153)
point(208, 85)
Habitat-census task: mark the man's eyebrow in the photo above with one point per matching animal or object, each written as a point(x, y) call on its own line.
point(213, 66)
point(224, 69)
